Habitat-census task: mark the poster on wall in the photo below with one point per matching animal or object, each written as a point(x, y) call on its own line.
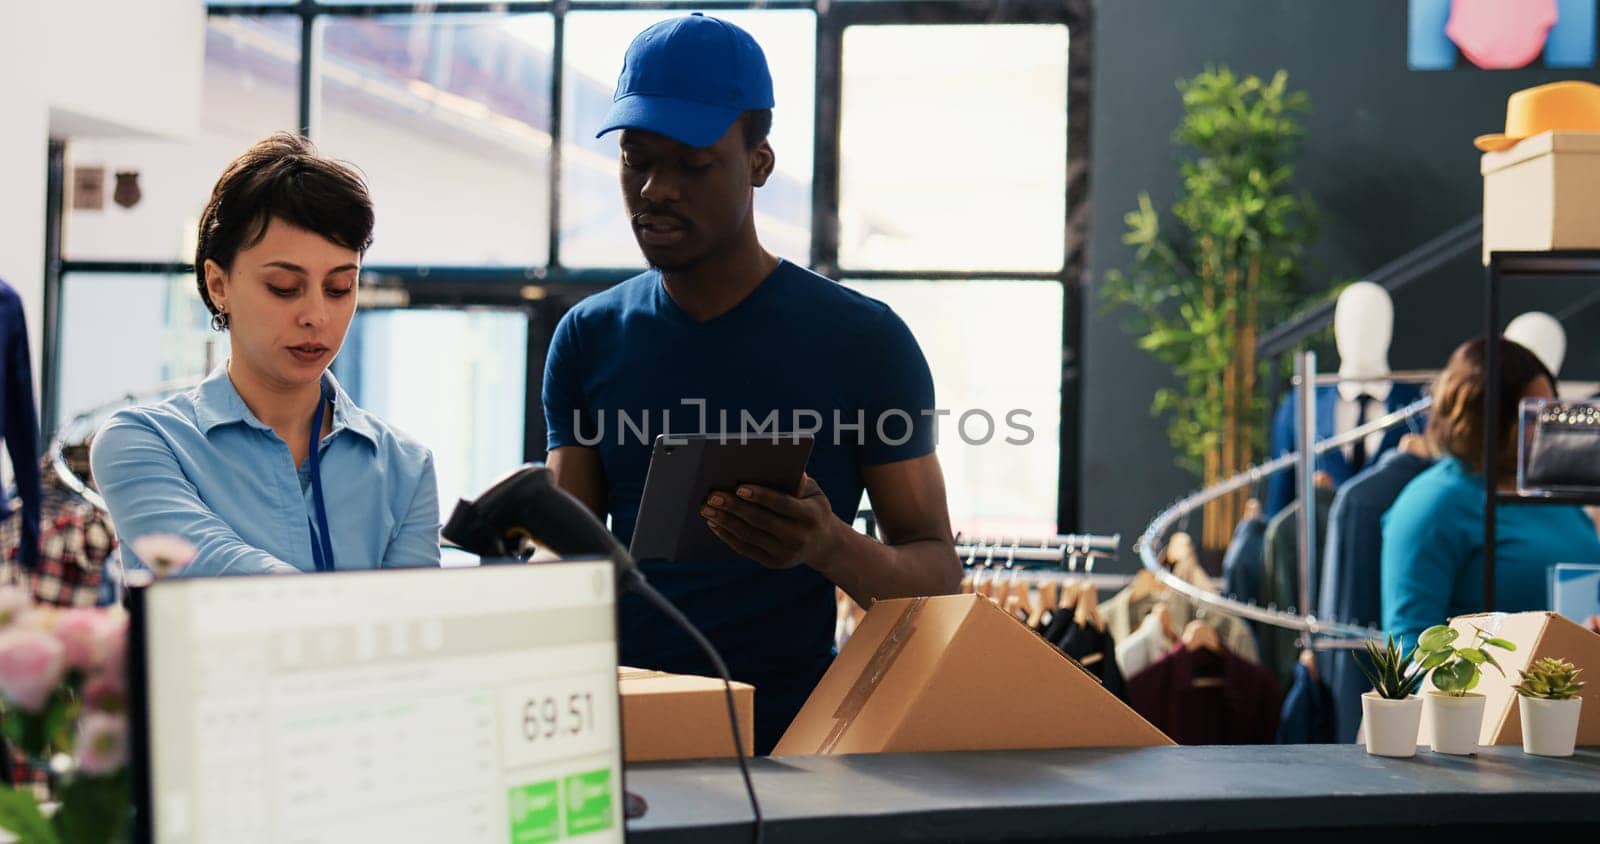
point(1501, 35)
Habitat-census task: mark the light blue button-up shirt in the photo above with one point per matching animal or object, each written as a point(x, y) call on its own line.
point(200, 465)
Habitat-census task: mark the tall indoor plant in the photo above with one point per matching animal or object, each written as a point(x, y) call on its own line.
point(1201, 290)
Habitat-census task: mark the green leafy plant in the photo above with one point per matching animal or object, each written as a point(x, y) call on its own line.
point(1456, 671)
point(1392, 674)
point(1552, 679)
point(1201, 290)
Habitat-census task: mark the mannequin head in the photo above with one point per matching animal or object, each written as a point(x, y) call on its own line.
point(1543, 335)
point(1363, 325)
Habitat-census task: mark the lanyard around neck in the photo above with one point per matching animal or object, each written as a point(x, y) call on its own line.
point(321, 538)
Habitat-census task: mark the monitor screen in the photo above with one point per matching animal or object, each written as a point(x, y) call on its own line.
point(470, 705)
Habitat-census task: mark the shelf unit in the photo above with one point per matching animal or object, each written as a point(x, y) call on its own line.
point(1571, 264)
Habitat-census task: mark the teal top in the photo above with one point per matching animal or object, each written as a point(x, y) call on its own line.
point(1433, 551)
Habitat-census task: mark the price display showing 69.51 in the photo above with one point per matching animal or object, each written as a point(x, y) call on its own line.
point(559, 718)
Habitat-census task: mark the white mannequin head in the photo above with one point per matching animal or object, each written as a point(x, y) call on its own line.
point(1363, 325)
point(1543, 335)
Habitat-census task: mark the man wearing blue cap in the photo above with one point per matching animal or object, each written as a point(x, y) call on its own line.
point(721, 336)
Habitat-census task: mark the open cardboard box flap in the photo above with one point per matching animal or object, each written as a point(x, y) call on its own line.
point(957, 673)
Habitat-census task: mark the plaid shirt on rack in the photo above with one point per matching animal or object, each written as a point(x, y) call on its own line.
point(74, 541)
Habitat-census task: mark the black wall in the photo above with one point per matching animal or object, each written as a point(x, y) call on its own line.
point(1388, 158)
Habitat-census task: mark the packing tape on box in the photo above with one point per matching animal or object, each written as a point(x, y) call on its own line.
point(882, 660)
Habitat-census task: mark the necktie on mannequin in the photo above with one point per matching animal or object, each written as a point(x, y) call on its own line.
point(1358, 453)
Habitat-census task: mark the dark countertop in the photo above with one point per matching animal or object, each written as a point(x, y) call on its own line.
point(1173, 791)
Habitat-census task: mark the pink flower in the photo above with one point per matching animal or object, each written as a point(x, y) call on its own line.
point(166, 554)
point(105, 693)
point(102, 743)
point(15, 604)
point(78, 630)
point(31, 665)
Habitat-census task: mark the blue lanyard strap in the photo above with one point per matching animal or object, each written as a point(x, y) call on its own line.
point(321, 539)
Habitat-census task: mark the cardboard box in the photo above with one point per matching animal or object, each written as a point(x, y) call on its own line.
point(957, 673)
point(1537, 635)
point(680, 716)
point(1542, 194)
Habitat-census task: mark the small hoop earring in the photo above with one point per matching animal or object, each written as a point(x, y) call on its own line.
point(219, 321)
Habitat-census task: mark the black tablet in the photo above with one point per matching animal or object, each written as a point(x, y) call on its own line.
point(685, 470)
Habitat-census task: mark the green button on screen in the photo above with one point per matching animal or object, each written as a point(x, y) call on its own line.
point(588, 800)
point(535, 813)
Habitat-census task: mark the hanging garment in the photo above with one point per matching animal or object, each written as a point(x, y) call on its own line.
point(1206, 697)
point(20, 421)
point(1307, 716)
point(1243, 561)
point(1096, 651)
point(1350, 590)
point(75, 539)
point(1281, 585)
point(1143, 647)
point(1122, 615)
point(1281, 486)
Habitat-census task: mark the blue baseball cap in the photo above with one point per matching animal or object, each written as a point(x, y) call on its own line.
point(689, 78)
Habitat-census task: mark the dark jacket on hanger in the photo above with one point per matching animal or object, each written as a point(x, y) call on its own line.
point(1096, 651)
point(1281, 486)
point(21, 421)
point(1234, 702)
point(1307, 716)
point(1281, 585)
point(1244, 566)
point(1350, 591)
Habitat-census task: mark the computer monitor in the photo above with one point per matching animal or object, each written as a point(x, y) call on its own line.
point(468, 705)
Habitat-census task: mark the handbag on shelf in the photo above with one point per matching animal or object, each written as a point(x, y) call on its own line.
point(1563, 447)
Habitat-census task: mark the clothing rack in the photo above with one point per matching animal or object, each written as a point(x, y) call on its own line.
point(1321, 635)
point(1406, 376)
point(1060, 549)
point(1000, 554)
point(1039, 577)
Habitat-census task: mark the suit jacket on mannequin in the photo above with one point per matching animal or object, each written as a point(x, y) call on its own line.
point(1281, 486)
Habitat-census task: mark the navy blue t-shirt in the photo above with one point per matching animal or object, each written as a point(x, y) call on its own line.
point(628, 364)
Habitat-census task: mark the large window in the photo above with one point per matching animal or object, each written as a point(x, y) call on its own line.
point(923, 152)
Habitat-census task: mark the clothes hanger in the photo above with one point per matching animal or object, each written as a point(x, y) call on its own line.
point(1049, 594)
point(1309, 660)
point(1087, 611)
point(1200, 634)
point(1169, 631)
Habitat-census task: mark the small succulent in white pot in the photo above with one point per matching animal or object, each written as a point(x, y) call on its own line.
point(1548, 698)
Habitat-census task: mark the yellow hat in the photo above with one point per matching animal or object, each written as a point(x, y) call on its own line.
point(1570, 106)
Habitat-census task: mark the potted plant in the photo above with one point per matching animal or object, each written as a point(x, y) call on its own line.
point(1454, 711)
point(1391, 712)
point(1550, 705)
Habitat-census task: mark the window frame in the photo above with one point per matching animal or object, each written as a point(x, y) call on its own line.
point(546, 292)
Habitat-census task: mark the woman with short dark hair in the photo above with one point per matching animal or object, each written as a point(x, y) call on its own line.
point(268, 466)
point(1432, 565)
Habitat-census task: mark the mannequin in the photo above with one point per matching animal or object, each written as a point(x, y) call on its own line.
point(1363, 326)
point(1543, 335)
